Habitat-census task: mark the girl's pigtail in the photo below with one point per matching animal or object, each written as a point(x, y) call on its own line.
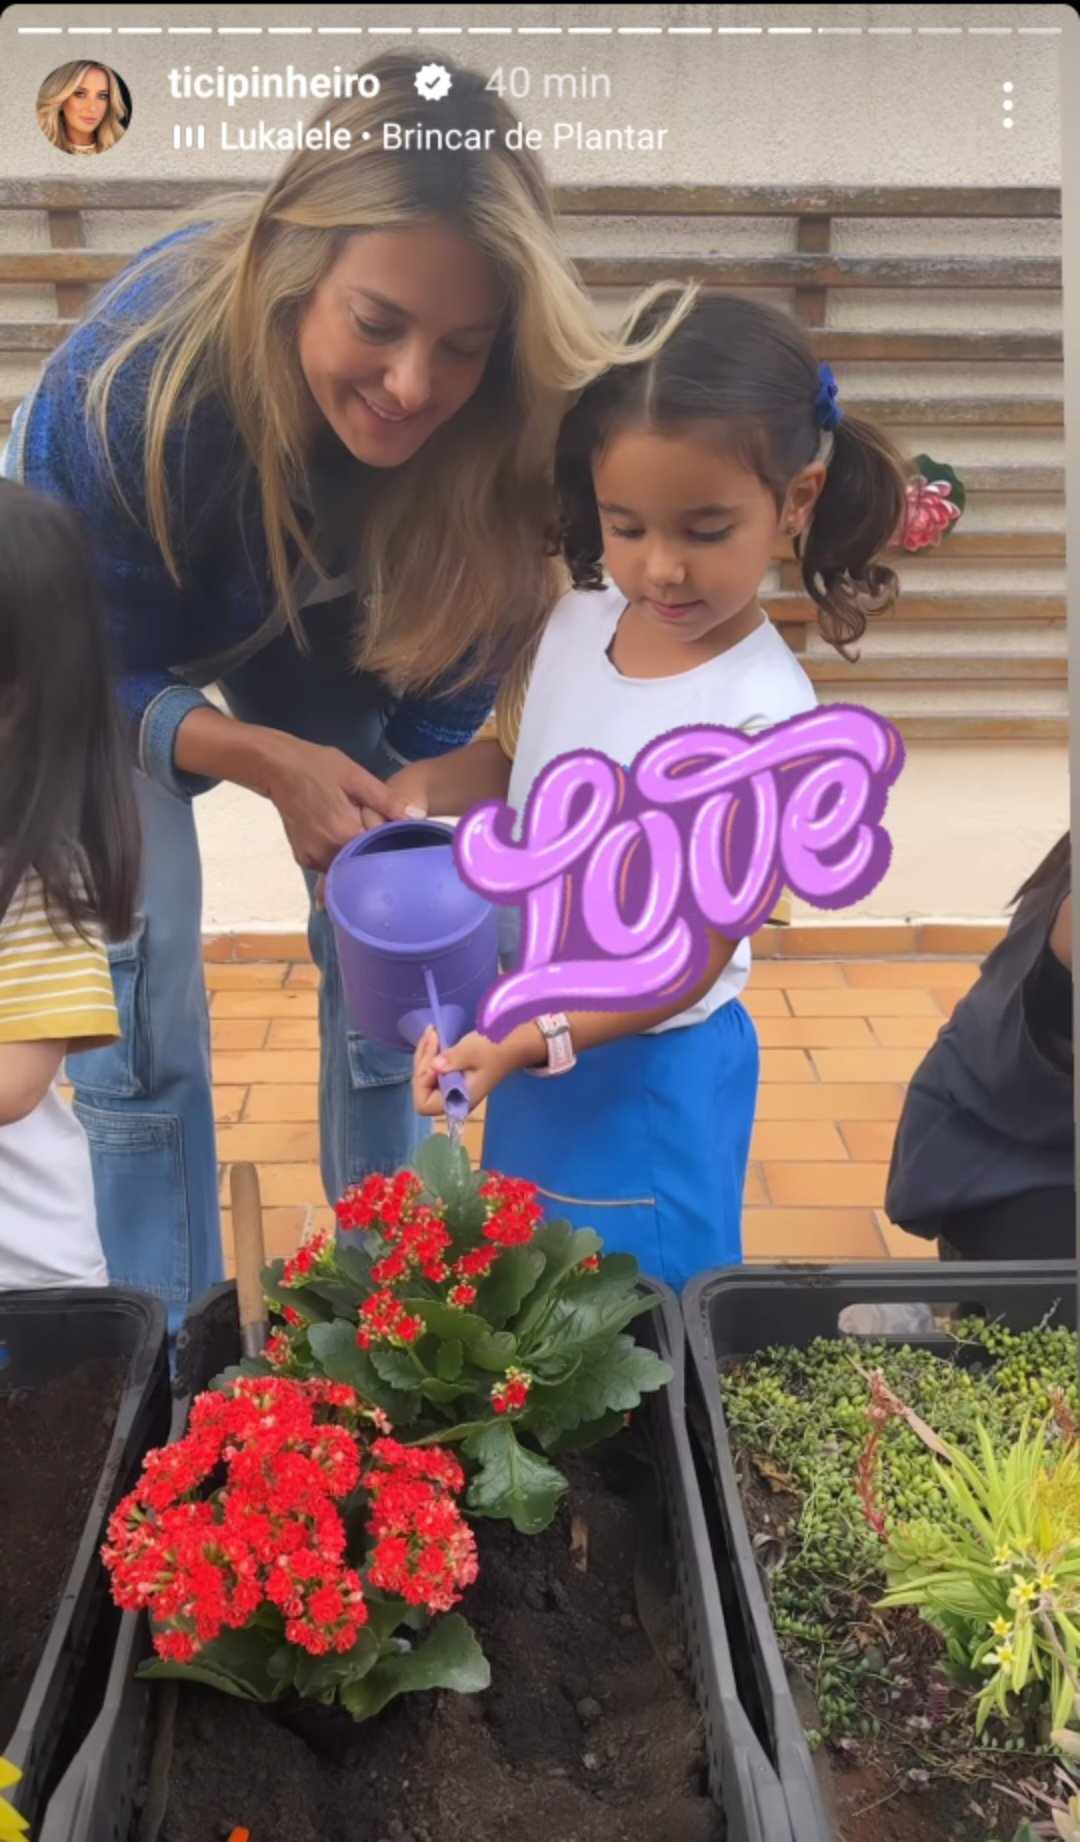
point(856, 517)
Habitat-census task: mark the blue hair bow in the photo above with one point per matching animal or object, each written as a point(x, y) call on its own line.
point(827, 411)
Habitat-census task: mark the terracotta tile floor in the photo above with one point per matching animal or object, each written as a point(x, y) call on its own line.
point(839, 1040)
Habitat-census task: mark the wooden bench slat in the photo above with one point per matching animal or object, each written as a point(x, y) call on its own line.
point(33, 335)
point(967, 546)
point(960, 412)
point(834, 344)
point(85, 266)
point(914, 273)
point(955, 606)
point(901, 346)
point(1014, 478)
point(935, 668)
point(917, 273)
point(972, 726)
point(661, 200)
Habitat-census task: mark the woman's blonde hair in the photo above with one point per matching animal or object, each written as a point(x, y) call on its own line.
point(62, 83)
point(458, 567)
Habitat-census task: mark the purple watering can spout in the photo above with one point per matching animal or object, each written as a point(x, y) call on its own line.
point(416, 945)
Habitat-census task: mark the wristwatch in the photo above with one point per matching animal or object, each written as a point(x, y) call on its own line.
point(555, 1029)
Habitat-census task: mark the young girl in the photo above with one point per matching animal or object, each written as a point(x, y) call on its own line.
point(678, 480)
point(68, 870)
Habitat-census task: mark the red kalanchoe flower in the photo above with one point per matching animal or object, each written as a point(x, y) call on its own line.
point(270, 1534)
point(308, 1256)
point(476, 1264)
point(591, 1263)
point(513, 1211)
point(510, 1396)
point(384, 1320)
point(379, 1202)
point(462, 1296)
point(424, 1551)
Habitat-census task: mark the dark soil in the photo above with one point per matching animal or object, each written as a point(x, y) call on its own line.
point(589, 1732)
point(53, 1442)
point(921, 1778)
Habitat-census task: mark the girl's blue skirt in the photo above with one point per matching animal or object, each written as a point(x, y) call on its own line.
point(646, 1140)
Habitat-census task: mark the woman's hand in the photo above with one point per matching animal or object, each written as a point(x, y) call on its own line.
point(325, 800)
point(409, 786)
point(483, 1063)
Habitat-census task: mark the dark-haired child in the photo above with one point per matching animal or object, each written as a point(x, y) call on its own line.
point(68, 874)
point(678, 479)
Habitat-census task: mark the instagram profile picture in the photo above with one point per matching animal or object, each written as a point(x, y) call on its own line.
point(83, 107)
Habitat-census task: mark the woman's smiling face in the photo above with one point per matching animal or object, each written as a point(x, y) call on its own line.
point(86, 107)
point(396, 337)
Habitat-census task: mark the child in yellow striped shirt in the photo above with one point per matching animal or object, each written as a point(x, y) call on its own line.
point(68, 876)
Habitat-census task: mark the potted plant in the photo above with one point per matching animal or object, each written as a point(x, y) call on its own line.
point(83, 1394)
point(838, 1520)
point(584, 1548)
point(449, 1303)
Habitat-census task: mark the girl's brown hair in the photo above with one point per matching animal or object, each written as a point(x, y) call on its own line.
point(749, 369)
point(67, 801)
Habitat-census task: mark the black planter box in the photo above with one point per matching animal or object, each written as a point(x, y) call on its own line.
point(738, 1311)
point(97, 1798)
point(48, 1333)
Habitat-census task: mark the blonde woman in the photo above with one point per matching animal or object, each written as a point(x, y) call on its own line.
point(317, 459)
point(81, 109)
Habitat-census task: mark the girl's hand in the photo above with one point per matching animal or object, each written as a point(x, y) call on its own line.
point(482, 1062)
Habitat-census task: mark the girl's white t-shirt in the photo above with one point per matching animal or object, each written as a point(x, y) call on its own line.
point(578, 699)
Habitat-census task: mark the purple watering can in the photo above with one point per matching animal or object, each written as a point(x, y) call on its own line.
point(415, 944)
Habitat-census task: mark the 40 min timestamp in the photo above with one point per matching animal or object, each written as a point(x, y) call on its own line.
point(517, 82)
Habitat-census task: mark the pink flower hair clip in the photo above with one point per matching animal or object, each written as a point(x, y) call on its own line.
point(934, 502)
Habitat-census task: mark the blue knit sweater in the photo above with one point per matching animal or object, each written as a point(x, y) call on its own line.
point(227, 594)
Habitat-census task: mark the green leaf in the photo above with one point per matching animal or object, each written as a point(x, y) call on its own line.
point(160, 1671)
point(449, 1359)
point(591, 1433)
point(301, 1299)
point(318, 1677)
point(338, 1354)
point(494, 1352)
point(445, 1171)
point(446, 1321)
point(611, 1378)
point(396, 1367)
point(237, 1663)
point(343, 1298)
point(500, 1296)
point(450, 1658)
point(385, 1614)
point(589, 1309)
point(452, 1435)
point(512, 1483)
point(443, 1392)
point(563, 1248)
point(355, 1262)
point(251, 1365)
